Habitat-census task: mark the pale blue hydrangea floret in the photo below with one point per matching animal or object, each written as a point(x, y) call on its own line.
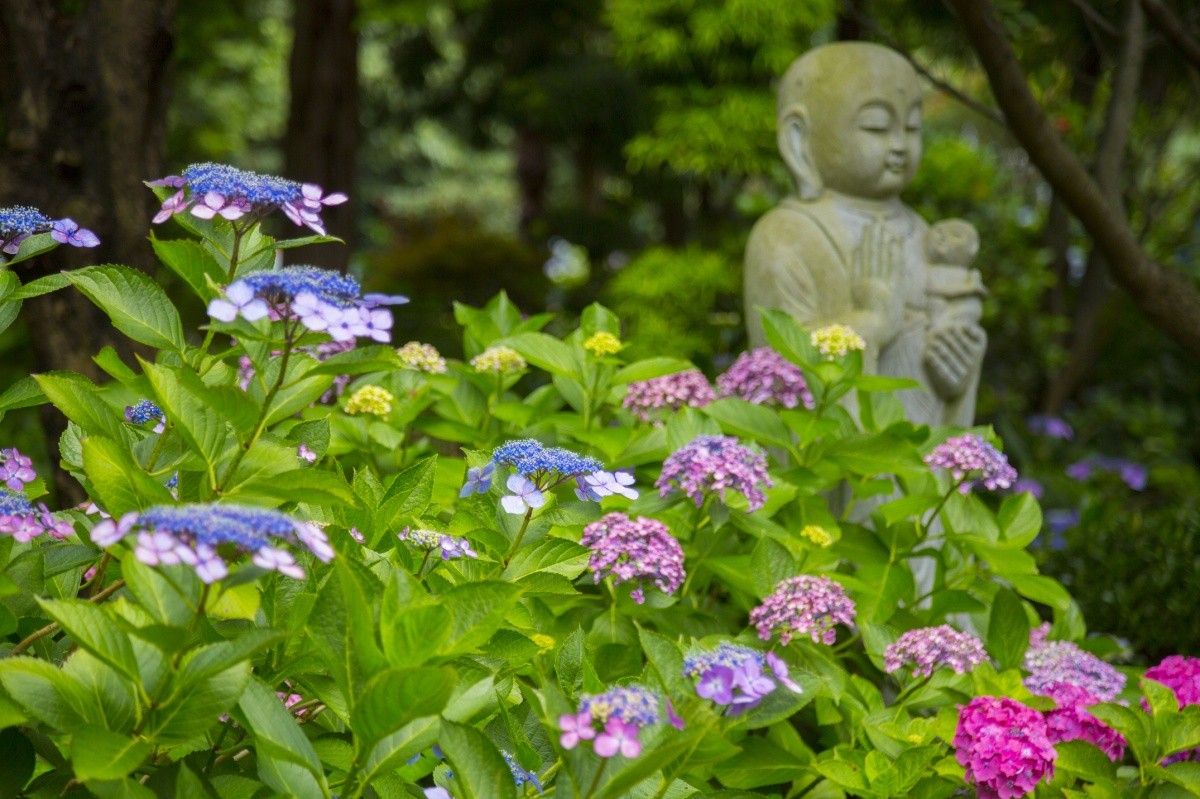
point(631, 704)
point(530, 458)
point(290, 281)
point(233, 182)
point(20, 220)
point(520, 775)
point(14, 504)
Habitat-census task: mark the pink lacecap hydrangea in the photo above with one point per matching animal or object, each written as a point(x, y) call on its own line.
point(1062, 661)
point(634, 551)
point(1182, 675)
point(1071, 721)
point(971, 459)
point(647, 399)
point(715, 464)
point(930, 648)
point(804, 605)
point(1004, 746)
point(763, 376)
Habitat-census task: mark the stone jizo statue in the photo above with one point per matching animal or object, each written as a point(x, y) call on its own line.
point(844, 248)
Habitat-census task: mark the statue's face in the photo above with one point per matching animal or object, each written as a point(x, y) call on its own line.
point(866, 129)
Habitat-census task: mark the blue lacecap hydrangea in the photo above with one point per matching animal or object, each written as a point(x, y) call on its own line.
point(529, 457)
point(248, 528)
point(729, 655)
point(233, 182)
point(326, 284)
point(20, 219)
point(14, 504)
point(143, 411)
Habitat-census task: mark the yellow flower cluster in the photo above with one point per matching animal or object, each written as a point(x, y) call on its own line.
point(836, 340)
point(603, 343)
point(370, 399)
point(818, 535)
point(422, 357)
point(498, 359)
point(544, 642)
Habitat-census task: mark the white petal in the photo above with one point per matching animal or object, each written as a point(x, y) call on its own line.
point(513, 504)
point(222, 310)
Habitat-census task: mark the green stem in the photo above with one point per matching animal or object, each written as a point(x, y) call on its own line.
point(157, 451)
point(520, 534)
point(596, 779)
point(924, 528)
point(266, 411)
point(424, 560)
point(233, 255)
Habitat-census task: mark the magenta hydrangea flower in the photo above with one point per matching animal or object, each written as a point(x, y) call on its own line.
point(1070, 721)
point(1004, 746)
point(634, 551)
point(650, 400)
point(764, 377)
point(1062, 661)
point(930, 648)
point(1182, 675)
point(613, 720)
point(715, 464)
point(971, 459)
point(804, 605)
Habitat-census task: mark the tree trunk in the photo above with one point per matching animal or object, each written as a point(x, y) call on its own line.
point(532, 154)
point(84, 94)
point(321, 145)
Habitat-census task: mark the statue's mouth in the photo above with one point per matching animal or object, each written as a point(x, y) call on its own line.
point(896, 164)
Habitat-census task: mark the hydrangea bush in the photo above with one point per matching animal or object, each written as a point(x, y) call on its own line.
point(316, 562)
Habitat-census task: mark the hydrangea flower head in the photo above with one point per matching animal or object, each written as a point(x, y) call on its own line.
point(24, 522)
point(1133, 474)
point(602, 343)
point(198, 534)
point(764, 377)
point(1182, 675)
point(930, 648)
point(212, 190)
point(611, 720)
point(715, 464)
point(804, 605)
point(834, 341)
point(451, 547)
point(634, 551)
point(422, 358)
point(972, 460)
point(146, 411)
point(1062, 661)
point(530, 458)
point(648, 400)
point(1070, 721)
point(19, 222)
point(1050, 426)
point(371, 400)
point(733, 676)
point(817, 534)
point(498, 359)
point(1004, 746)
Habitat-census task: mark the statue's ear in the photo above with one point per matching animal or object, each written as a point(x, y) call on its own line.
point(795, 144)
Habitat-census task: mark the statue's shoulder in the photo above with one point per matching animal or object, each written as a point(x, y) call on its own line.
point(801, 228)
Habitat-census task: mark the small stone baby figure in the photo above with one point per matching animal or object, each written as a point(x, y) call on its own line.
point(954, 294)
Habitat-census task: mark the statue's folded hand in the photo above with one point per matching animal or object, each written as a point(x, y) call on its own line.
point(952, 354)
point(874, 272)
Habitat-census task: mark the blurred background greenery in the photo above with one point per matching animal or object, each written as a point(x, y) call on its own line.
point(568, 151)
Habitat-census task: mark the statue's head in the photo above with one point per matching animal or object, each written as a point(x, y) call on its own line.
point(850, 120)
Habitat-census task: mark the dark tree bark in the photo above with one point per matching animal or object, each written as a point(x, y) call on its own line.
point(532, 155)
point(84, 94)
point(1166, 296)
point(322, 139)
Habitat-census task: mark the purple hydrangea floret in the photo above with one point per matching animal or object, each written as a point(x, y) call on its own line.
point(930, 648)
point(613, 720)
point(972, 460)
point(634, 551)
point(804, 605)
point(649, 400)
point(764, 377)
point(734, 677)
point(715, 464)
point(1004, 746)
point(19, 222)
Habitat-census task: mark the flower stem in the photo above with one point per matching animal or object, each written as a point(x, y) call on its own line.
point(596, 779)
point(924, 528)
point(520, 534)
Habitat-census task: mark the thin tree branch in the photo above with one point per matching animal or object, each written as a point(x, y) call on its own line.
point(1173, 28)
point(1094, 17)
point(1167, 297)
point(939, 84)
